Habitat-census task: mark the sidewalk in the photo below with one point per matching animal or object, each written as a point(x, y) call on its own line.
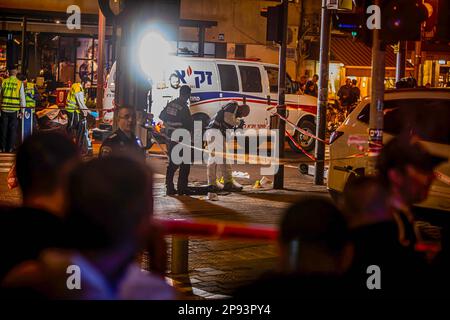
point(217, 267)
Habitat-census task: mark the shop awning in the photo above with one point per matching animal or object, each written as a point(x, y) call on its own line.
point(355, 53)
point(357, 57)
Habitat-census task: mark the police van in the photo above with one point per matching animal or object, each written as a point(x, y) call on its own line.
point(214, 82)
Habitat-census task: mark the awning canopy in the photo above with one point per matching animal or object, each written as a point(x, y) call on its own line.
point(353, 53)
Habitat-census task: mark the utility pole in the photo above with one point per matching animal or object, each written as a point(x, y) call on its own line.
point(417, 61)
point(324, 61)
point(377, 99)
point(23, 55)
point(401, 61)
point(100, 58)
point(281, 109)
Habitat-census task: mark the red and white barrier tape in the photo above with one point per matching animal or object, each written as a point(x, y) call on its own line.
point(302, 131)
point(442, 177)
point(218, 229)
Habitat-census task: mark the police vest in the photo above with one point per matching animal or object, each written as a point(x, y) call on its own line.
point(11, 94)
point(171, 115)
point(30, 92)
point(71, 104)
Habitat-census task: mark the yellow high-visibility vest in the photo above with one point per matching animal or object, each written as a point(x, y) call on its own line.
point(30, 91)
point(71, 104)
point(11, 94)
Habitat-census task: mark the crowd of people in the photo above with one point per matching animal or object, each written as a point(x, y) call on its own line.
point(367, 246)
point(85, 214)
point(19, 97)
point(91, 222)
point(309, 87)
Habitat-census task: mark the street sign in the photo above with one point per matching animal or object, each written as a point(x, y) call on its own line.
point(340, 5)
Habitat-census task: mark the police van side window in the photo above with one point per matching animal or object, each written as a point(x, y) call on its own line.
point(251, 79)
point(228, 77)
point(272, 74)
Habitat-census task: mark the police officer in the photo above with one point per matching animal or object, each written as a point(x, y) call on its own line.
point(228, 117)
point(176, 115)
point(123, 141)
point(31, 94)
point(75, 104)
point(31, 97)
point(12, 94)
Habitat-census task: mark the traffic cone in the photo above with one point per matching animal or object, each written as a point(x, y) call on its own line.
point(257, 185)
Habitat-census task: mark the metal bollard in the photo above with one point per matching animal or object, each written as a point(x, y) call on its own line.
point(180, 255)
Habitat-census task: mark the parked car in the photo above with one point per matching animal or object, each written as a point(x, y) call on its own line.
point(214, 82)
point(427, 110)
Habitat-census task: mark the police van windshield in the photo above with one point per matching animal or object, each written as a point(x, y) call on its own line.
point(272, 73)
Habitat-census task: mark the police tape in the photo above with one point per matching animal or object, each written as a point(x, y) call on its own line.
point(442, 177)
point(258, 159)
point(300, 147)
point(302, 131)
point(218, 229)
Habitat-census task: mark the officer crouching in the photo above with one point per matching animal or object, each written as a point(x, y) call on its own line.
point(176, 115)
point(123, 141)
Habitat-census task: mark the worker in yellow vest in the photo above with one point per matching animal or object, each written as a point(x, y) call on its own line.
point(13, 101)
point(31, 94)
point(32, 97)
point(74, 106)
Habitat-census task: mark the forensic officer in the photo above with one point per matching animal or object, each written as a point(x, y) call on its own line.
point(123, 141)
point(176, 115)
point(13, 101)
point(229, 117)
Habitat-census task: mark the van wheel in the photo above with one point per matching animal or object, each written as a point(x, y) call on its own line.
point(307, 143)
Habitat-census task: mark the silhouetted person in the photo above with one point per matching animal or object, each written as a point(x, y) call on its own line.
point(345, 93)
point(311, 87)
point(41, 165)
point(406, 170)
point(355, 92)
point(375, 237)
point(109, 211)
point(302, 83)
point(176, 115)
point(314, 251)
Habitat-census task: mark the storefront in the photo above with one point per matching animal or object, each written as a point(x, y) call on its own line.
point(355, 61)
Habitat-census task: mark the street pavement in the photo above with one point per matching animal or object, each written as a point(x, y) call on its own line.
point(216, 266)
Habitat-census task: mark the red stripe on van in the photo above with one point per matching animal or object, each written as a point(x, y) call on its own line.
point(306, 108)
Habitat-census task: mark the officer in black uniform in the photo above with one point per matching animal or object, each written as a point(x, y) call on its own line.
point(123, 141)
point(176, 115)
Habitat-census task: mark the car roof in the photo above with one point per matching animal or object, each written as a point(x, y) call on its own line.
point(416, 93)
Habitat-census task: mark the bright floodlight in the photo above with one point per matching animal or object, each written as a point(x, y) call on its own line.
point(154, 54)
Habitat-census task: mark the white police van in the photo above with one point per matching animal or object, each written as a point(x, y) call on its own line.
point(214, 82)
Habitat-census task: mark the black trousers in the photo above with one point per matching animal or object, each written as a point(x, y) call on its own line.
point(8, 130)
point(183, 176)
point(73, 121)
